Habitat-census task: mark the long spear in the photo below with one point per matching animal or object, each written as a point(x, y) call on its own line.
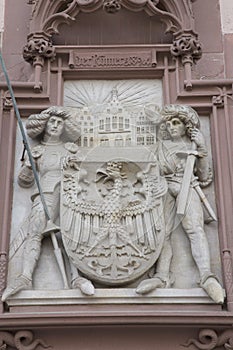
point(57, 250)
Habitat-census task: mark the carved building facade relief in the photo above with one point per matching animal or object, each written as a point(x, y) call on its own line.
point(127, 194)
point(118, 188)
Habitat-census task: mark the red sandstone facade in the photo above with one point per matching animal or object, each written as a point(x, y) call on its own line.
point(48, 42)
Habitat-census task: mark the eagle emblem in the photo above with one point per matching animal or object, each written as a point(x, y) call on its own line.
point(112, 226)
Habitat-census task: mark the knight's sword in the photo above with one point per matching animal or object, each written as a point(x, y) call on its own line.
point(185, 186)
point(50, 228)
point(205, 201)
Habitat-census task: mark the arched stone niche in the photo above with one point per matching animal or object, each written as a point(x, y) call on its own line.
point(111, 22)
point(48, 15)
point(100, 28)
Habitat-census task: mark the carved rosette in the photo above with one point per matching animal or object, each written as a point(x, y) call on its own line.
point(21, 340)
point(111, 6)
point(218, 100)
point(7, 101)
point(209, 339)
point(187, 46)
point(37, 49)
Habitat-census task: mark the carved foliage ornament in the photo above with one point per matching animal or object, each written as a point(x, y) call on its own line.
point(48, 15)
point(111, 6)
point(187, 46)
point(38, 47)
point(209, 339)
point(21, 340)
point(7, 101)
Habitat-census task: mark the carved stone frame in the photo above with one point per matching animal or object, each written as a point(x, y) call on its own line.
point(212, 98)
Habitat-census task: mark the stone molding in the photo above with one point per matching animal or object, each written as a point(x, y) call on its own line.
point(106, 296)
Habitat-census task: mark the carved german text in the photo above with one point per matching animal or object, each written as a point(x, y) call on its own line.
point(110, 60)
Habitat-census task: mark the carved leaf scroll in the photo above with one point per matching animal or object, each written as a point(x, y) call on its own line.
point(187, 46)
point(38, 47)
point(21, 340)
point(209, 339)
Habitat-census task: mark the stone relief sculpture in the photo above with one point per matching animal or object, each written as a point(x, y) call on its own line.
point(180, 139)
point(54, 125)
point(116, 214)
point(116, 237)
point(21, 340)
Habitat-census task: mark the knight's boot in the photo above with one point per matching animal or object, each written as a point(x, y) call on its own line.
point(24, 281)
point(213, 289)
point(150, 284)
point(21, 282)
point(84, 285)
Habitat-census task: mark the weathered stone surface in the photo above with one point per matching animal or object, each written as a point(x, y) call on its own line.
point(114, 195)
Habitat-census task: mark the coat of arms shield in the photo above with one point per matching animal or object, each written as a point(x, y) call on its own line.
point(112, 217)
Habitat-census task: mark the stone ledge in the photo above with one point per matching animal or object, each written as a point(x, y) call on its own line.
point(109, 296)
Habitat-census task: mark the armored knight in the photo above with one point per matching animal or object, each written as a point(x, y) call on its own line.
point(182, 140)
point(54, 126)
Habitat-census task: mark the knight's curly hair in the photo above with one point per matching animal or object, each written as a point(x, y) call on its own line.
point(185, 113)
point(36, 123)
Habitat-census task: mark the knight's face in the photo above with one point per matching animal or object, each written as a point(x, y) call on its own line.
point(54, 126)
point(176, 128)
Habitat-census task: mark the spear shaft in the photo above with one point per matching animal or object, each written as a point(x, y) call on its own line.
point(57, 250)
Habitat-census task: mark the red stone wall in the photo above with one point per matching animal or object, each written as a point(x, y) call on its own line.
point(206, 86)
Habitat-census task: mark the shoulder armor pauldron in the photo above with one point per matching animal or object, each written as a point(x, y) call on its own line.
point(37, 151)
point(71, 147)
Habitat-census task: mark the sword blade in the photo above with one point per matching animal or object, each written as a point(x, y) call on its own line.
point(185, 185)
point(205, 202)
